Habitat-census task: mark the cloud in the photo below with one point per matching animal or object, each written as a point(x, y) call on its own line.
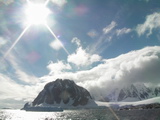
point(23, 76)
point(109, 28)
point(92, 33)
point(109, 32)
point(59, 3)
point(152, 22)
point(57, 68)
point(77, 41)
point(14, 63)
point(105, 37)
point(81, 58)
point(123, 31)
point(56, 44)
point(13, 94)
point(3, 42)
point(136, 66)
point(12, 90)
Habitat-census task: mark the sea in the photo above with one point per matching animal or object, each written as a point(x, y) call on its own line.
point(82, 114)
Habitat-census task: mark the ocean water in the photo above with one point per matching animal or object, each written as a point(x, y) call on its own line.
point(88, 114)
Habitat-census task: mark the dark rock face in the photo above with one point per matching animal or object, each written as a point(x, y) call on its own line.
point(63, 91)
point(140, 107)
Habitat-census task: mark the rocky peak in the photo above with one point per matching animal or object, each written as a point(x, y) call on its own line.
point(62, 91)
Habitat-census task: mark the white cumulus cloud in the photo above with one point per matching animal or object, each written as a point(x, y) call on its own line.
point(82, 58)
point(57, 68)
point(56, 44)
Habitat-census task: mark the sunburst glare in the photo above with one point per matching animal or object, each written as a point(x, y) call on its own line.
point(36, 13)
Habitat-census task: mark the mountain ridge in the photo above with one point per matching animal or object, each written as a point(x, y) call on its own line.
point(132, 92)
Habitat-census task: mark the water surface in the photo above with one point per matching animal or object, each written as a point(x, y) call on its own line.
point(88, 114)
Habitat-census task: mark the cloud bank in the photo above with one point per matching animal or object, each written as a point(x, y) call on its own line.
point(136, 66)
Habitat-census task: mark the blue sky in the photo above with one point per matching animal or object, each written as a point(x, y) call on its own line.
point(99, 43)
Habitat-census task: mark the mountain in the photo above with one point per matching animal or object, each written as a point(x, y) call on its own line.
point(62, 93)
point(133, 92)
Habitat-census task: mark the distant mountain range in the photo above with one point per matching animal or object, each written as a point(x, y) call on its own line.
point(133, 92)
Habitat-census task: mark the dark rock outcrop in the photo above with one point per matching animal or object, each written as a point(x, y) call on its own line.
point(62, 92)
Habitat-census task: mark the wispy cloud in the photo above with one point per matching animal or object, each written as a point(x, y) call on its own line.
point(106, 37)
point(92, 33)
point(20, 73)
point(12, 90)
point(77, 41)
point(151, 23)
point(108, 33)
point(123, 31)
point(13, 94)
point(109, 28)
point(23, 76)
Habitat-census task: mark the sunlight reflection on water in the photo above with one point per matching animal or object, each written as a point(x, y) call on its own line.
point(87, 114)
point(65, 115)
point(23, 115)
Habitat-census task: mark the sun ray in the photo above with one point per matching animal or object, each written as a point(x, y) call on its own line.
point(112, 111)
point(20, 36)
point(56, 38)
point(47, 1)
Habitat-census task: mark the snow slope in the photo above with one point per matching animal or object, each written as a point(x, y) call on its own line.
point(131, 93)
point(121, 104)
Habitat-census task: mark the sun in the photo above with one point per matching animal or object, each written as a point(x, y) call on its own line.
point(36, 14)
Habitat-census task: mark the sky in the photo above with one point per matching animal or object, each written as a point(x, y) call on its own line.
point(100, 45)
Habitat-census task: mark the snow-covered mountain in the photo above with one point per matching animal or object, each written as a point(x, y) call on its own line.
point(63, 93)
point(133, 92)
